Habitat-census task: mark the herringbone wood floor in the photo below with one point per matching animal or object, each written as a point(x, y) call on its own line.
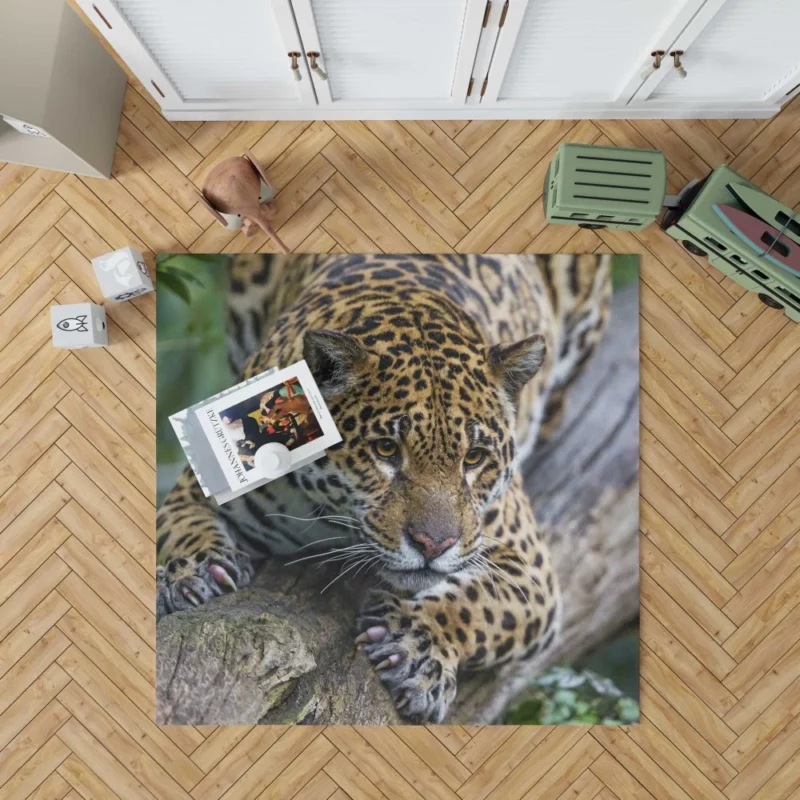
point(720, 480)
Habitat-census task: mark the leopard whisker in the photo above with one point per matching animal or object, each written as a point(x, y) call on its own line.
point(492, 538)
point(372, 567)
point(333, 519)
point(343, 524)
point(345, 558)
point(340, 575)
point(311, 519)
point(479, 574)
point(319, 541)
point(369, 562)
point(487, 568)
point(501, 573)
point(319, 509)
point(353, 548)
point(472, 560)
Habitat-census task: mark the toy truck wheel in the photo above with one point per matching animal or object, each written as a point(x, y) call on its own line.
point(769, 301)
point(693, 248)
point(592, 226)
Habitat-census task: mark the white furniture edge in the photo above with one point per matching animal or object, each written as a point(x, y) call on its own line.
point(629, 105)
point(700, 111)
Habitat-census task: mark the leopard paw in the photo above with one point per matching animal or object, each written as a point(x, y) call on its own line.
point(419, 674)
point(186, 582)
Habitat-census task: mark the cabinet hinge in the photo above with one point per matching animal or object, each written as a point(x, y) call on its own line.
point(469, 88)
point(483, 87)
point(486, 13)
point(503, 15)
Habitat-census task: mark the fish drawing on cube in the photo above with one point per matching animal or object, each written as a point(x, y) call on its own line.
point(122, 274)
point(78, 325)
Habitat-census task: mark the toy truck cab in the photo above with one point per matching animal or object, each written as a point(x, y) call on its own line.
point(701, 231)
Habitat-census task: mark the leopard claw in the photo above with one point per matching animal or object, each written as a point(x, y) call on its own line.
point(191, 597)
point(420, 677)
point(390, 661)
point(370, 635)
point(222, 577)
point(185, 582)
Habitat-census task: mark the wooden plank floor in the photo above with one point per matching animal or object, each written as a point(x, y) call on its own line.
point(720, 480)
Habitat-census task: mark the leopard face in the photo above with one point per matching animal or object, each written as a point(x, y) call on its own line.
point(427, 413)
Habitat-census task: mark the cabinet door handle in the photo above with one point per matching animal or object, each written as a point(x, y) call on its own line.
point(315, 68)
point(102, 17)
point(657, 56)
point(676, 60)
point(295, 67)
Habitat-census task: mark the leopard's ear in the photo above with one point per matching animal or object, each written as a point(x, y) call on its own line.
point(334, 359)
point(515, 364)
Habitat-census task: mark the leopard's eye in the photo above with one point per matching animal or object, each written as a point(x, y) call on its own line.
point(385, 448)
point(474, 457)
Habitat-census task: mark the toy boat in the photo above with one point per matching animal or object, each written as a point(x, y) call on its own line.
point(769, 209)
point(764, 239)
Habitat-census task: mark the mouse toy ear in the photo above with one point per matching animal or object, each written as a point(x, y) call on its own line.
point(257, 167)
point(213, 211)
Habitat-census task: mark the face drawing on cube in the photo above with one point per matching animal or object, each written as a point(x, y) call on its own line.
point(282, 414)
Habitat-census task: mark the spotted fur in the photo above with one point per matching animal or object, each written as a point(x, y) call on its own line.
point(443, 357)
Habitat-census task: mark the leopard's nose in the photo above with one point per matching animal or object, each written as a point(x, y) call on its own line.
point(430, 545)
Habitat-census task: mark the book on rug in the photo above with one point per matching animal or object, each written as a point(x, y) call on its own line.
point(255, 431)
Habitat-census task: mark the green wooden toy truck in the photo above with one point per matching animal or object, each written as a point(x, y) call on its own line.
point(695, 224)
point(605, 187)
point(610, 187)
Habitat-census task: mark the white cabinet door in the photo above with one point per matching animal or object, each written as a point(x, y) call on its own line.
point(737, 51)
point(390, 54)
point(575, 55)
point(208, 54)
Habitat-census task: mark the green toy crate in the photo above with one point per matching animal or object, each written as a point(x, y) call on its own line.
point(696, 225)
point(599, 187)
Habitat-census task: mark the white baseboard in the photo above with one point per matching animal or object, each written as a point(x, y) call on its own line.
point(699, 111)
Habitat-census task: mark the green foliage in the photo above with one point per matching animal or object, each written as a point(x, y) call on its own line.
point(564, 696)
point(191, 351)
point(177, 272)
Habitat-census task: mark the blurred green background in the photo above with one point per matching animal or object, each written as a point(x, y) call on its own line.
point(624, 271)
point(191, 357)
point(601, 687)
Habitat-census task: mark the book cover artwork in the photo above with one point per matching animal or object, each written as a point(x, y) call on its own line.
point(222, 435)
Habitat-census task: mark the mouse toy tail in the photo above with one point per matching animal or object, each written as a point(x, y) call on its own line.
point(263, 223)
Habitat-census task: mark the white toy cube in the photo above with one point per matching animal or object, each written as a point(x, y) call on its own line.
point(122, 274)
point(78, 325)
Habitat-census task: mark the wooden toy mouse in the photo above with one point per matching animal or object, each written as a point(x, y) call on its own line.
point(237, 193)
